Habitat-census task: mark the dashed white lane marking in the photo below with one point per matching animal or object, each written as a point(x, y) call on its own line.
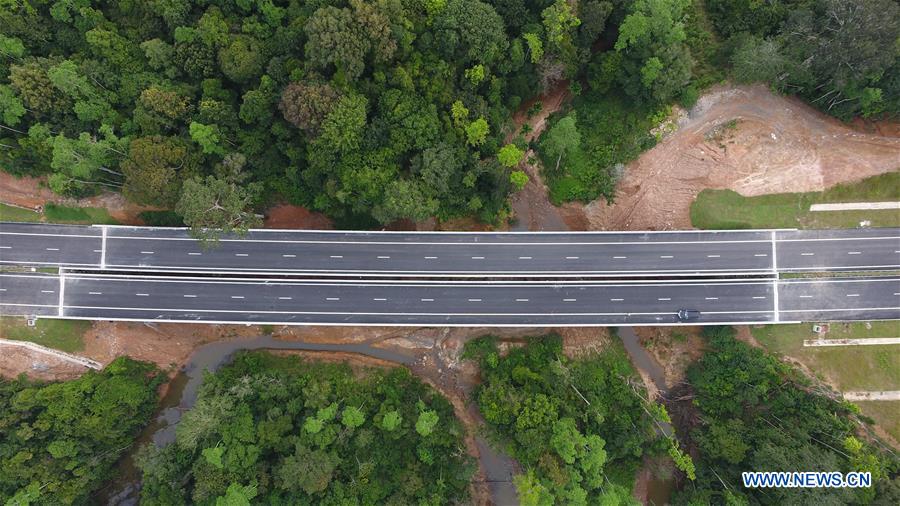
point(807, 254)
point(284, 298)
point(664, 298)
point(711, 298)
point(5, 247)
point(146, 252)
point(383, 256)
point(896, 293)
point(336, 256)
point(46, 291)
point(854, 252)
point(4, 289)
point(620, 257)
point(379, 299)
point(237, 296)
point(52, 249)
point(194, 254)
point(289, 256)
point(569, 300)
point(142, 294)
point(97, 250)
point(571, 258)
point(477, 258)
point(760, 255)
point(474, 300)
point(241, 254)
point(616, 300)
point(332, 298)
point(852, 295)
point(95, 293)
point(427, 300)
point(524, 258)
point(430, 258)
point(190, 296)
point(759, 297)
point(713, 256)
point(666, 256)
point(806, 296)
point(521, 300)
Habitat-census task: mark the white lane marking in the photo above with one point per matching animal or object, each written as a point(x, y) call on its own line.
point(620, 257)
point(103, 247)
point(477, 258)
point(62, 292)
point(289, 256)
point(521, 300)
point(474, 300)
point(237, 296)
point(759, 297)
point(5, 247)
point(430, 258)
point(616, 300)
point(146, 252)
point(760, 255)
point(52, 249)
point(807, 254)
point(194, 253)
point(95, 293)
point(666, 256)
point(777, 276)
point(427, 300)
point(383, 256)
point(852, 295)
point(189, 296)
point(332, 298)
point(241, 254)
point(142, 294)
point(97, 250)
point(713, 256)
point(335, 256)
point(4, 289)
point(712, 298)
point(664, 298)
point(284, 298)
point(524, 258)
point(806, 296)
point(47, 291)
point(854, 252)
point(569, 300)
point(571, 258)
point(379, 299)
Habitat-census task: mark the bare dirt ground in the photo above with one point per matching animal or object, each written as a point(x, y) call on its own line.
point(749, 140)
point(673, 349)
point(296, 217)
point(37, 366)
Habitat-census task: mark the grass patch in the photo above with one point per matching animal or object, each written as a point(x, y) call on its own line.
point(64, 335)
point(847, 367)
point(612, 130)
point(885, 413)
point(725, 209)
point(11, 213)
point(78, 215)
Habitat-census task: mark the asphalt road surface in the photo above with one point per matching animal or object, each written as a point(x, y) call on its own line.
point(103, 296)
point(567, 254)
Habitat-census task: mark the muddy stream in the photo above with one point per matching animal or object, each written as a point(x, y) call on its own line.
point(184, 389)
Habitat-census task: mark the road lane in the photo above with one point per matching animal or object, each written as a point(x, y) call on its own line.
point(29, 294)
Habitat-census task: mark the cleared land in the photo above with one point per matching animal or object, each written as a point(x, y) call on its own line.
point(726, 209)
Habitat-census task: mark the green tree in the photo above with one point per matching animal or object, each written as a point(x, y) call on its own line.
point(334, 38)
point(531, 491)
point(426, 422)
point(242, 59)
point(518, 179)
point(510, 155)
point(208, 137)
point(11, 108)
point(405, 199)
point(305, 105)
point(391, 421)
point(152, 170)
point(217, 205)
point(562, 140)
point(535, 46)
point(352, 417)
point(476, 132)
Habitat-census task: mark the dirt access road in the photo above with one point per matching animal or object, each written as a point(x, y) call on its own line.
point(747, 139)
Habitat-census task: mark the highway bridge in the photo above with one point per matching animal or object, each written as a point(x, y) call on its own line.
point(449, 279)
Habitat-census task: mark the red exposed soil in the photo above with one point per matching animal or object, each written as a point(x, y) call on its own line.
point(296, 217)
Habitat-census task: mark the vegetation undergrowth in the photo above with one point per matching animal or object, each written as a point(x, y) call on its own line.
point(60, 441)
point(63, 335)
point(282, 430)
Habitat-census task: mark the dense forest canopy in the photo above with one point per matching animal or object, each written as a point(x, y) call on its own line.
point(576, 426)
point(279, 430)
point(59, 441)
point(757, 413)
